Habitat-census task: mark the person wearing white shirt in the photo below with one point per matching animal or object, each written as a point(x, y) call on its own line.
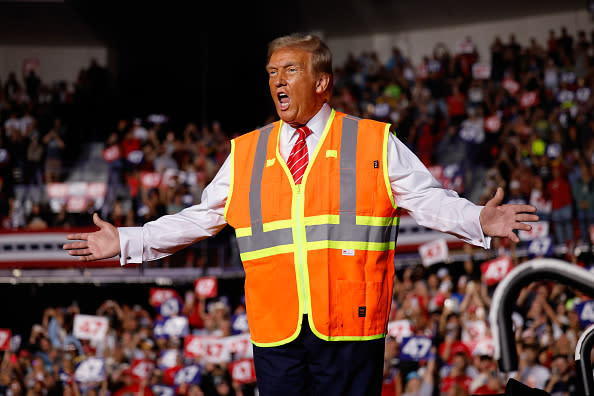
point(304, 102)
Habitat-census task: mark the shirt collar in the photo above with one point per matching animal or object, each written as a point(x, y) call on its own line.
point(317, 123)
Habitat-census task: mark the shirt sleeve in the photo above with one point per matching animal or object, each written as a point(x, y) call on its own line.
point(170, 233)
point(430, 205)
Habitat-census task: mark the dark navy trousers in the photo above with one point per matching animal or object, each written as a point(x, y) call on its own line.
point(309, 366)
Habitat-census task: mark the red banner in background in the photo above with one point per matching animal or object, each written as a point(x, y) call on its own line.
point(495, 270)
point(206, 287)
point(243, 371)
point(158, 296)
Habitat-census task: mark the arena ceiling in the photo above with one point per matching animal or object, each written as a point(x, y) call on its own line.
point(79, 22)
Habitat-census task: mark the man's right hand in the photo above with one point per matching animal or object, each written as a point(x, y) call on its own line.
point(101, 244)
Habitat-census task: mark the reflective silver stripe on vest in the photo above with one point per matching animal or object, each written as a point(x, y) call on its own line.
point(348, 230)
point(260, 239)
point(350, 233)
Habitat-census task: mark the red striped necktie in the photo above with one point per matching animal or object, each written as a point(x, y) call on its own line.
point(298, 159)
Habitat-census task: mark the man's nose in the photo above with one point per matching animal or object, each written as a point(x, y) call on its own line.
point(280, 79)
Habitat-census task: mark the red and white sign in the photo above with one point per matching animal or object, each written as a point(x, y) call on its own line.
point(474, 330)
point(240, 346)
point(195, 346)
point(434, 252)
point(481, 71)
point(57, 190)
point(90, 327)
point(529, 99)
point(5, 335)
point(481, 347)
point(76, 204)
point(464, 46)
point(493, 123)
point(141, 368)
point(399, 329)
point(217, 351)
point(112, 153)
point(539, 229)
point(150, 179)
point(158, 296)
point(206, 287)
point(495, 270)
point(510, 86)
point(243, 371)
point(96, 189)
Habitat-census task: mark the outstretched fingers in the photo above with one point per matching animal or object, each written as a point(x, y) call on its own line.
point(81, 236)
point(526, 217)
point(521, 208)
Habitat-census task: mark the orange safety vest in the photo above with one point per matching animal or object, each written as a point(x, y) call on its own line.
point(324, 247)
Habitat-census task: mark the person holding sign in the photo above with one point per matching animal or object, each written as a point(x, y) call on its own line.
point(313, 200)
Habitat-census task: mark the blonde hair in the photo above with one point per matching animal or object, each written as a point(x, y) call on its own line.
point(321, 56)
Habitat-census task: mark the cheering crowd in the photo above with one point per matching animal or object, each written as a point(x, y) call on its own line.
point(523, 121)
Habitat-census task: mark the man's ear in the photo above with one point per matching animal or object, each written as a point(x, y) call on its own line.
point(322, 83)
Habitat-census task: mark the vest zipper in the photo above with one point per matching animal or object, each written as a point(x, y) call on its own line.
point(298, 216)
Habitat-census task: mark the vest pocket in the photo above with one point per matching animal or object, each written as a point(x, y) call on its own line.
point(358, 305)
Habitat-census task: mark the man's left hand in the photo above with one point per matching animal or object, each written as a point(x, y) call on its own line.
point(501, 220)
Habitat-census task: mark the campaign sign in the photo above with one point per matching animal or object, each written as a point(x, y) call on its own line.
point(433, 252)
point(493, 123)
point(481, 71)
point(168, 358)
point(217, 351)
point(565, 95)
point(65, 378)
point(5, 335)
point(90, 370)
point(539, 229)
point(585, 311)
point(474, 330)
point(76, 204)
point(415, 348)
point(239, 323)
point(495, 270)
point(150, 180)
point(135, 157)
point(141, 368)
point(162, 390)
point(195, 345)
point(481, 347)
point(90, 327)
point(206, 287)
point(158, 296)
point(243, 371)
point(529, 99)
point(111, 154)
point(240, 346)
point(399, 329)
point(510, 86)
point(541, 247)
point(188, 375)
point(176, 326)
point(170, 307)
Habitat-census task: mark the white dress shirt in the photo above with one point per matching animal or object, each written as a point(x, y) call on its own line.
point(413, 186)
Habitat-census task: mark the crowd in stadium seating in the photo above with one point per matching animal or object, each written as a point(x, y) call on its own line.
point(523, 121)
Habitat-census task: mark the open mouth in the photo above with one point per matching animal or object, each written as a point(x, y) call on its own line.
point(283, 100)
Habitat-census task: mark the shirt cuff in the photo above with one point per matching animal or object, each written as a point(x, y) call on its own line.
point(484, 241)
point(130, 245)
